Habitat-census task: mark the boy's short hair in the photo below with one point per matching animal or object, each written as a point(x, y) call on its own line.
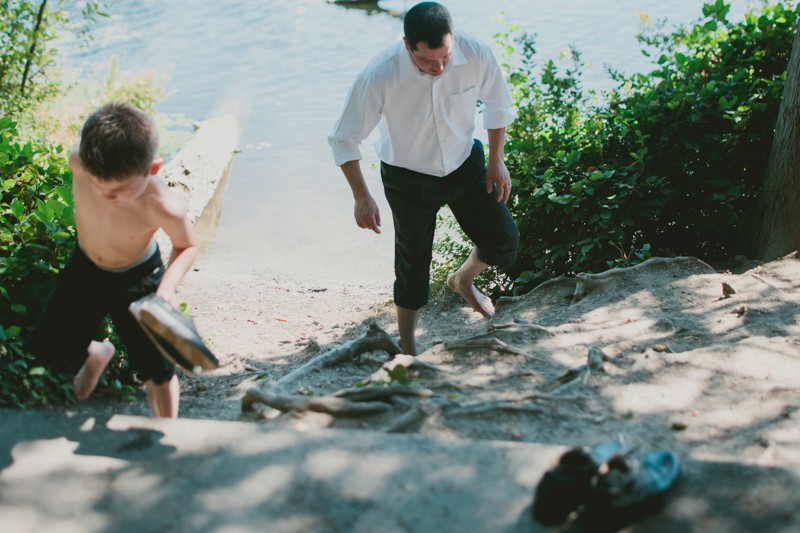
point(427, 22)
point(118, 141)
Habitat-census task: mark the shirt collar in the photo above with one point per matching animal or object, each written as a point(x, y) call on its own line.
point(409, 70)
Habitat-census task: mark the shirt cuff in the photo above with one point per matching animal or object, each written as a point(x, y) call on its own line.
point(344, 151)
point(499, 118)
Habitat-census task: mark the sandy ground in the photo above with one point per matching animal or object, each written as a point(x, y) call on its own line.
point(671, 354)
point(686, 358)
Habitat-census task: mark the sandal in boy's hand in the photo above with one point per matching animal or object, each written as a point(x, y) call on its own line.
point(173, 333)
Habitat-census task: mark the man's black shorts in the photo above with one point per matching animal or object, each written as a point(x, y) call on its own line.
point(415, 200)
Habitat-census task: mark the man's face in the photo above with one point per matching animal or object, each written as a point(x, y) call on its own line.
point(432, 60)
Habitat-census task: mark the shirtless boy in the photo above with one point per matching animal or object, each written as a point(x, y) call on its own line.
point(120, 203)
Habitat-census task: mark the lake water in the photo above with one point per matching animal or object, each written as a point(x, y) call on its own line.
point(284, 66)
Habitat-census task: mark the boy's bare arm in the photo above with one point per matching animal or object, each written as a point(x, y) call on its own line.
point(173, 220)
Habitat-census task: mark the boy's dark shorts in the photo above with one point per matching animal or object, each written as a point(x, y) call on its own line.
point(84, 294)
point(415, 200)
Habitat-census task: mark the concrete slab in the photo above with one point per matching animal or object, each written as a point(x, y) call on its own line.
point(77, 473)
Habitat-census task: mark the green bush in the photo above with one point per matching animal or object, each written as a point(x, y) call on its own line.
point(37, 236)
point(706, 118)
point(665, 163)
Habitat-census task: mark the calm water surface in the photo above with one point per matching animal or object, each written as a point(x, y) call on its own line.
point(284, 66)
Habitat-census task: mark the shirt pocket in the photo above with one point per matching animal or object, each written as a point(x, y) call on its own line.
point(463, 106)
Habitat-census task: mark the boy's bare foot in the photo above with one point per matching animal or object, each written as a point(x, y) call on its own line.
point(479, 301)
point(100, 353)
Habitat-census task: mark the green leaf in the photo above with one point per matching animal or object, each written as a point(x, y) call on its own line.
point(399, 374)
point(17, 208)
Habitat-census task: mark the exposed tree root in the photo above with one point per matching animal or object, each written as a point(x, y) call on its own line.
point(382, 394)
point(397, 370)
point(322, 404)
point(375, 338)
point(548, 397)
point(498, 405)
point(377, 399)
point(524, 327)
point(580, 375)
point(416, 413)
point(484, 342)
point(586, 283)
point(767, 283)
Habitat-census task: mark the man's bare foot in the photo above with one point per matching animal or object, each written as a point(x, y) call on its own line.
point(479, 301)
point(100, 353)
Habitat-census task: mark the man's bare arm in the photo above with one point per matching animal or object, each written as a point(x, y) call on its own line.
point(366, 211)
point(496, 171)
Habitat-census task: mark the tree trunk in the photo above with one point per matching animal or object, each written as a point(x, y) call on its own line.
point(777, 229)
point(32, 50)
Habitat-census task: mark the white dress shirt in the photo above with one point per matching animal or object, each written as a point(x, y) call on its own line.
point(426, 123)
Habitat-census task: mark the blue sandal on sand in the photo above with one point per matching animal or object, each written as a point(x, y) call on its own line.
point(627, 489)
point(565, 487)
point(173, 333)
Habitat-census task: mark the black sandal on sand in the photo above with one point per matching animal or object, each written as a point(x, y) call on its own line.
point(627, 489)
point(173, 333)
point(566, 485)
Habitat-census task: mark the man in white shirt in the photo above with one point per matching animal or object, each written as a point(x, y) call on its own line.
point(422, 93)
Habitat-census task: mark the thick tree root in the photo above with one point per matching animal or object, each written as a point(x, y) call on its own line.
point(382, 394)
point(586, 283)
point(375, 338)
point(322, 404)
point(372, 399)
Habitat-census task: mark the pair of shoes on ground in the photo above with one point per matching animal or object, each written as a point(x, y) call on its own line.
point(173, 333)
point(607, 485)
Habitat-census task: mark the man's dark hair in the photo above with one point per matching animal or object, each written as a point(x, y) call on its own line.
point(427, 22)
point(118, 141)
